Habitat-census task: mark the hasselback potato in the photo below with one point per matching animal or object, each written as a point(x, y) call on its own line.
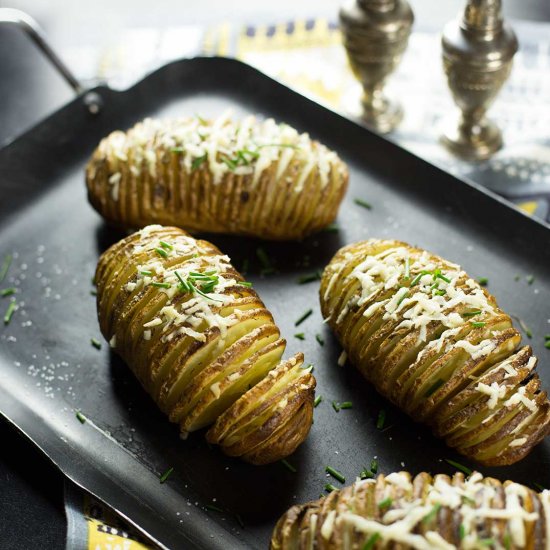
point(249, 177)
point(435, 343)
point(424, 513)
point(202, 344)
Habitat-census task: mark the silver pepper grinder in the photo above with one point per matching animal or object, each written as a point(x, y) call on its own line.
point(477, 57)
point(375, 35)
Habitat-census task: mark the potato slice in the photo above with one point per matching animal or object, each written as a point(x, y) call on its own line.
point(435, 343)
point(201, 342)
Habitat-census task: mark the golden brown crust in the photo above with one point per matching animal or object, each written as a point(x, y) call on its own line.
point(435, 343)
point(397, 511)
point(202, 344)
point(153, 173)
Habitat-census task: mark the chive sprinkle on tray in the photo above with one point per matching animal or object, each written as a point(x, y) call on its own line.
point(288, 466)
point(364, 204)
point(9, 312)
point(335, 474)
point(318, 400)
point(381, 420)
point(166, 475)
point(7, 292)
point(459, 466)
point(95, 342)
point(5, 266)
point(81, 417)
point(303, 317)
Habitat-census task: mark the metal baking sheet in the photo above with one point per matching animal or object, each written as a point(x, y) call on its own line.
point(49, 368)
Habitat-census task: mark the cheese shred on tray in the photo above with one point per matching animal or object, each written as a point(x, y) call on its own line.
point(202, 344)
point(420, 513)
point(435, 343)
point(250, 177)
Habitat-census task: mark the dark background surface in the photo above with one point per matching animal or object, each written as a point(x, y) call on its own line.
point(31, 499)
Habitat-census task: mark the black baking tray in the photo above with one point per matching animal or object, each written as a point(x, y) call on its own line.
point(49, 369)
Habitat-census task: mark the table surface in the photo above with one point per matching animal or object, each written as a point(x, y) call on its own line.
point(31, 500)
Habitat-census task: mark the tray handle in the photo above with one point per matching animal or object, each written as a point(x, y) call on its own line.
point(31, 28)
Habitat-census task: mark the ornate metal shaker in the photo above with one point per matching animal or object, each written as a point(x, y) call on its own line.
point(477, 57)
point(375, 34)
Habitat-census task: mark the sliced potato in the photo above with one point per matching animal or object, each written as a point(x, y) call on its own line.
point(435, 343)
point(202, 343)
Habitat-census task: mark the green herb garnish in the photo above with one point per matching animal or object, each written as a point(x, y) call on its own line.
point(477, 324)
point(386, 503)
point(364, 204)
point(335, 406)
point(5, 266)
point(432, 513)
point(434, 387)
point(198, 162)
point(335, 474)
point(381, 420)
point(245, 283)
point(95, 342)
point(524, 327)
point(471, 313)
point(483, 281)
point(199, 283)
point(300, 336)
point(404, 295)
point(166, 245)
point(146, 273)
point(318, 399)
point(7, 291)
point(507, 540)
point(366, 474)
point(303, 317)
point(309, 278)
point(161, 252)
point(93, 292)
point(332, 228)
point(176, 150)
point(374, 465)
point(459, 466)
point(547, 344)
point(530, 279)
point(166, 475)
point(160, 285)
point(461, 531)
point(346, 405)
point(288, 466)
point(81, 417)
point(329, 487)
point(319, 339)
point(486, 542)
point(371, 541)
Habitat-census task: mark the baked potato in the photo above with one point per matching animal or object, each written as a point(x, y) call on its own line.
point(435, 343)
point(251, 178)
point(202, 343)
point(424, 513)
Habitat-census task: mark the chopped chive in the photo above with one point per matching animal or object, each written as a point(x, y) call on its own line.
point(547, 344)
point(364, 204)
point(507, 540)
point(213, 508)
point(176, 150)
point(405, 294)
point(332, 228)
point(524, 327)
point(442, 277)
point(346, 405)
point(459, 466)
point(329, 487)
point(166, 245)
point(319, 339)
point(335, 474)
point(309, 278)
point(183, 284)
point(381, 420)
point(517, 277)
point(374, 465)
point(461, 531)
point(318, 399)
point(530, 279)
point(245, 283)
point(81, 417)
point(288, 466)
point(267, 268)
point(539, 486)
point(386, 503)
point(166, 475)
point(303, 317)
point(146, 273)
point(160, 285)
point(432, 513)
point(471, 313)
point(483, 281)
point(407, 274)
point(198, 161)
point(486, 542)
point(335, 406)
point(7, 291)
point(5, 266)
point(366, 474)
point(95, 342)
point(300, 336)
point(547, 336)
point(434, 387)
point(161, 252)
point(371, 541)
point(93, 292)
point(468, 500)
point(440, 292)
point(477, 324)
point(9, 312)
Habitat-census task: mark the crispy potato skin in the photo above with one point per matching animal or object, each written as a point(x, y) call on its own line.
point(203, 358)
point(461, 371)
point(359, 516)
point(132, 190)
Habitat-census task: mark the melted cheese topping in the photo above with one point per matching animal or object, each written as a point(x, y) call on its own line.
point(248, 147)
